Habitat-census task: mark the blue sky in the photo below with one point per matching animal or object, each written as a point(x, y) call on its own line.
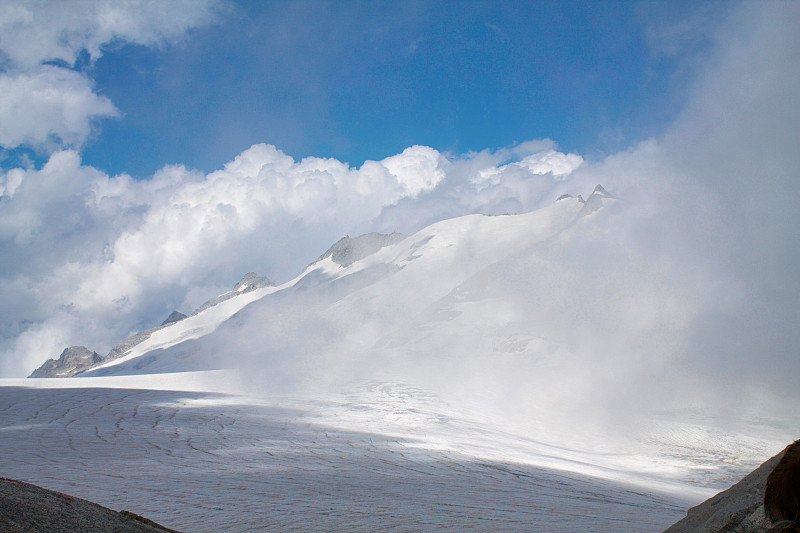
point(153, 152)
point(358, 81)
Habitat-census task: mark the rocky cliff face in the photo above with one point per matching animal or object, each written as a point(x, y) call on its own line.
point(347, 251)
point(72, 360)
point(740, 509)
point(175, 316)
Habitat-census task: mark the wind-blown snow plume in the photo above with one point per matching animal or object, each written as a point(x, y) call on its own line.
point(689, 291)
point(687, 296)
point(92, 244)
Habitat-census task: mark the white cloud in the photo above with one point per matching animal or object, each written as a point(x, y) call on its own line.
point(560, 165)
point(88, 258)
point(112, 252)
point(416, 169)
point(48, 106)
point(35, 31)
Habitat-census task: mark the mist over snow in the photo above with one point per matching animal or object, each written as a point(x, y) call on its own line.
point(689, 286)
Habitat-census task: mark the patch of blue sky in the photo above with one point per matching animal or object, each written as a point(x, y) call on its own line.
point(359, 81)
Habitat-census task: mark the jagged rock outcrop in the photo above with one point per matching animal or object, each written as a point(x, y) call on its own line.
point(347, 251)
point(740, 509)
point(595, 200)
point(72, 360)
point(175, 316)
point(250, 282)
point(78, 359)
point(26, 508)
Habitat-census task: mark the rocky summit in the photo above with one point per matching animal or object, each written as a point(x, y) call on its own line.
point(72, 360)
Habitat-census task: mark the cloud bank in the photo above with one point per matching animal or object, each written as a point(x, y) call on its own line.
point(89, 258)
point(48, 103)
point(95, 257)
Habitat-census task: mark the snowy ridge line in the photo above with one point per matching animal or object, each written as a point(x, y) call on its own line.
point(492, 234)
point(217, 381)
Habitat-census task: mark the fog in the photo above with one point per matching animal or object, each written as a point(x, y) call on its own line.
point(680, 297)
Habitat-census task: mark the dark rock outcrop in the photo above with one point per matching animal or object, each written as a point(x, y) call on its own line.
point(175, 316)
point(740, 509)
point(28, 508)
point(72, 360)
point(250, 282)
point(595, 200)
point(347, 251)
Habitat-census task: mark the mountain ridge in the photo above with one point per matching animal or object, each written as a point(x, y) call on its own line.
point(369, 251)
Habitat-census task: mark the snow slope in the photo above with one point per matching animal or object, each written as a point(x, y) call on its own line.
point(411, 274)
point(475, 375)
point(207, 461)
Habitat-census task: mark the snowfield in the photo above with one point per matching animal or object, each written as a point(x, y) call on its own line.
point(210, 461)
point(505, 373)
point(192, 452)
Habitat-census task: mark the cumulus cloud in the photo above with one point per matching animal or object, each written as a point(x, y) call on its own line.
point(94, 253)
point(36, 31)
point(708, 240)
point(485, 182)
point(47, 106)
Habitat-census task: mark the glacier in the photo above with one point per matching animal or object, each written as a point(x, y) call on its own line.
point(466, 377)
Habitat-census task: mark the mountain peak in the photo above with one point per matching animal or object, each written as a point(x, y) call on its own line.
point(252, 281)
point(73, 360)
point(595, 200)
point(600, 190)
point(175, 316)
point(347, 251)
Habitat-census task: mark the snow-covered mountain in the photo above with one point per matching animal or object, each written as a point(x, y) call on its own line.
point(362, 295)
point(475, 370)
point(538, 320)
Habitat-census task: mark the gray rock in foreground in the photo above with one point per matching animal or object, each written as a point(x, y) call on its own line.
point(740, 509)
point(29, 508)
point(72, 360)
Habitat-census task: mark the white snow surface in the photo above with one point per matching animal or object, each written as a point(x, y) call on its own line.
point(460, 379)
point(382, 457)
point(441, 247)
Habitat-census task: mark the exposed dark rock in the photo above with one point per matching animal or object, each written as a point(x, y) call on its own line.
point(29, 508)
point(72, 360)
point(782, 492)
point(347, 251)
point(595, 200)
point(740, 509)
point(175, 316)
point(250, 282)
